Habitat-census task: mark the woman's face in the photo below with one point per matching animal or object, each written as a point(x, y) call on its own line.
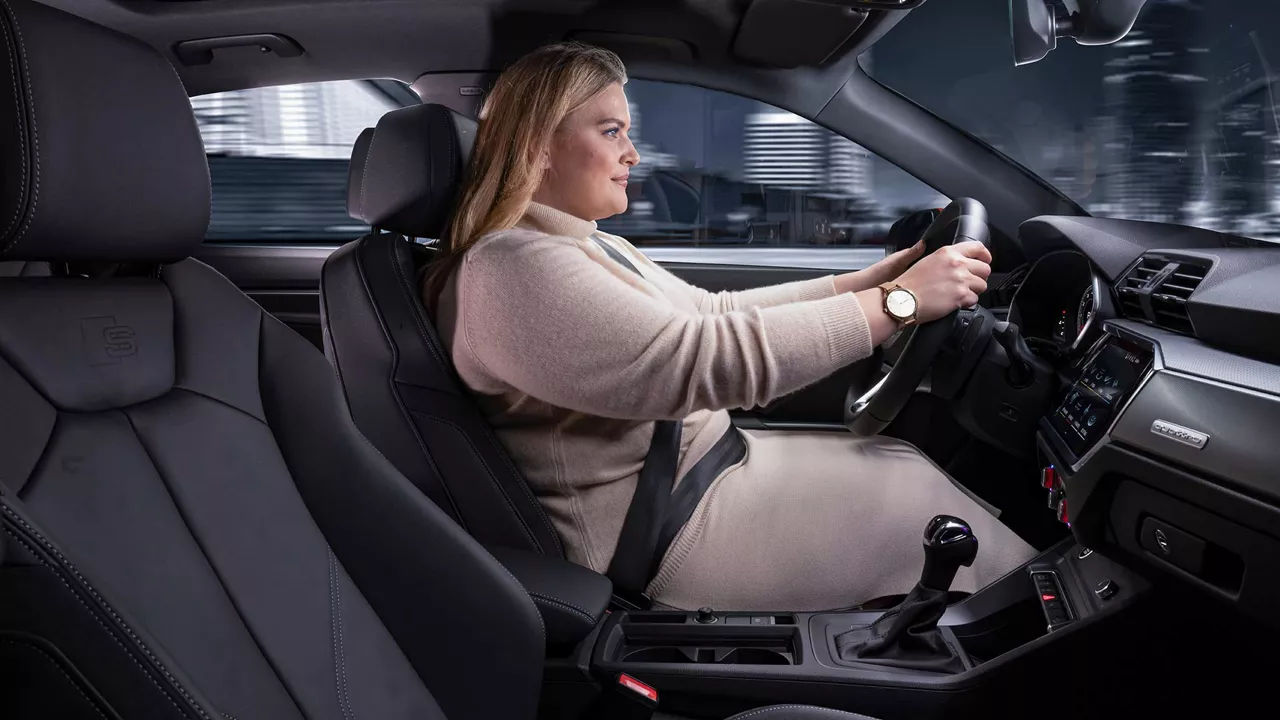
point(589, 159)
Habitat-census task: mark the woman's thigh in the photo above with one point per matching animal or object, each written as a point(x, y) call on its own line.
point(814, 521)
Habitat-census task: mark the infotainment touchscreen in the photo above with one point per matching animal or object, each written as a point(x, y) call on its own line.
point(1093, 400)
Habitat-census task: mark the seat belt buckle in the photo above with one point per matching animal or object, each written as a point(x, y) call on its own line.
point(628, 699)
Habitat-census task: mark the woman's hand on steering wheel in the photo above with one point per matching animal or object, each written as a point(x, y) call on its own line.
point(883, 271)
point(949, 279)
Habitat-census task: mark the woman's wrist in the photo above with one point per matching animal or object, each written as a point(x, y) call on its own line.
point(881, 324)
point(855, 281)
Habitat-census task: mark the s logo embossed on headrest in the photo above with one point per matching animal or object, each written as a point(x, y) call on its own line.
point(107, 342)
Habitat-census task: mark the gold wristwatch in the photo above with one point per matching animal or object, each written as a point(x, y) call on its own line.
point(899, 303)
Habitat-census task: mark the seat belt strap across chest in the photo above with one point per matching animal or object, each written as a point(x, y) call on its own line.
point(633, 559)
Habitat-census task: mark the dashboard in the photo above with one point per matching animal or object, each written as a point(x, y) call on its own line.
point(1158, 445)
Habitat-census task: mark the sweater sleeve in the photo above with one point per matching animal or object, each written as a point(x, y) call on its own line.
point(536, 313)
point(729, 301)
point(762, 297)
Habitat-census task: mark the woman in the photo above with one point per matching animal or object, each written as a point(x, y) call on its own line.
point(575, 344)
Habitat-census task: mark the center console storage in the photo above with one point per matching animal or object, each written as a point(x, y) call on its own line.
point(743, 659)
point(706, 639)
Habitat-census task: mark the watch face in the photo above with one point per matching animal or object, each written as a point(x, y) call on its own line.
point(900, 303)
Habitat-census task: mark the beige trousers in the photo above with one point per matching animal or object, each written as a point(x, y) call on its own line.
point(822, 520)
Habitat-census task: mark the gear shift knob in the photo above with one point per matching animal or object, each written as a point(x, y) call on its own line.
point(948, 544)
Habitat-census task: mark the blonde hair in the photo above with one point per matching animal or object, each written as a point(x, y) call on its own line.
point(528, 103)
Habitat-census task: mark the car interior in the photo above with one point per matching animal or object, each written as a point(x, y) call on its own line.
point(241, 479)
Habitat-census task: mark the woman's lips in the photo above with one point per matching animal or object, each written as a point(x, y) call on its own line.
point(622, 179)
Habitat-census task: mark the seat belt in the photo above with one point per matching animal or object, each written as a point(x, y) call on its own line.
point(633, 558)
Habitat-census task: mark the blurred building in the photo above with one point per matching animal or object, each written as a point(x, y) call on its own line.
point(278, 158)
point(1153, 86)
point(315, 120)
point(1239, 189)
point(786, 151)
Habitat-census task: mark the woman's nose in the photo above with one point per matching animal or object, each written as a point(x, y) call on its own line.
point(631, 157)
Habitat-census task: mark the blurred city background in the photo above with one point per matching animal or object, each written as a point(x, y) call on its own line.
point(1175, 123)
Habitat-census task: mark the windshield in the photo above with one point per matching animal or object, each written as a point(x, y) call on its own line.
point(1176, 122)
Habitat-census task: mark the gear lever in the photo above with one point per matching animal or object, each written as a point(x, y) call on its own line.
point(907, 636)
point(948, 544)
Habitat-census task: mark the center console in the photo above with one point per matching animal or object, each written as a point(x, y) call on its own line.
point(744, 659)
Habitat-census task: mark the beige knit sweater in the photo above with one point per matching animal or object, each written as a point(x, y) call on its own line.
point(572, 357)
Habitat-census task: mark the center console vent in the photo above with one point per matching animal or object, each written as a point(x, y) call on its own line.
point(1157, 289)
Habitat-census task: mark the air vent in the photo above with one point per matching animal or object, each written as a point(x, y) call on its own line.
point(1169, 298)
point(1156, 291)
point(1135, 283)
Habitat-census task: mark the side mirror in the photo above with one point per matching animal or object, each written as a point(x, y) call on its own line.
point(1036, 25)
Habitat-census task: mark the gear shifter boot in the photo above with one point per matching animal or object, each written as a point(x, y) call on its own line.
point(908, 636)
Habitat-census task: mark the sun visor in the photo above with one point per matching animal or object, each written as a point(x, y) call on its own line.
point(792, 33)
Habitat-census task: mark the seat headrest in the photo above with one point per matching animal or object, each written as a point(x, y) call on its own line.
point(100, 156)
point(407, 176)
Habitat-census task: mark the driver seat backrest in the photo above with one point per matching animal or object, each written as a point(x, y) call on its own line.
point(399, 382)
point(192, 525)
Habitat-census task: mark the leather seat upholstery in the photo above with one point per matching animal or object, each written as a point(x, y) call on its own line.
point(400, 384)
point(193, 526)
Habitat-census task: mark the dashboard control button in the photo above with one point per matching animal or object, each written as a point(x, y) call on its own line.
point(1084, 553)
point(1048, 477)
point(1105, 590)
point(1056, 610)
point(1062, 511)
point(706, 616)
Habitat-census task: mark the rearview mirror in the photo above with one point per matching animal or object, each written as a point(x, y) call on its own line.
point(1036, 25)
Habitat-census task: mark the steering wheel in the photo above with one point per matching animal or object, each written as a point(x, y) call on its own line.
point(963, 220)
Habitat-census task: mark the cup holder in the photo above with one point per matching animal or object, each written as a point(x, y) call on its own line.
point(708, 655)
point(658, 655)
point(754, 656)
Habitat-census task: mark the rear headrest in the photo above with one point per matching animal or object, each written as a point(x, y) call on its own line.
point(100, 157)
point(407, 177)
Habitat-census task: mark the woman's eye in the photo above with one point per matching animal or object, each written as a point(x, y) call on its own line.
point(613, 132)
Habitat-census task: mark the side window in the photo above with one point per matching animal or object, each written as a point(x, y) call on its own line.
point(717, 169)
point(278, 157)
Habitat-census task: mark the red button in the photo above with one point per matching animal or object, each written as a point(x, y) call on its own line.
point(1047, 477)
point(1047, 598)
point(1062, 511)
point(637, 687)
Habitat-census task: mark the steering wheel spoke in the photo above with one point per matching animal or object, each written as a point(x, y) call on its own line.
point(870, 411)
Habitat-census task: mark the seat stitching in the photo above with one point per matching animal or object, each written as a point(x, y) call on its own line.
point(542, 627)
point(22, 137)
point(59, 668)
point(335, 630)
point(364, 174)
point(761, 711)
point(566, 605)
point(17, 100)
point(35, 132)
point(228, 716)
point(113, 635)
